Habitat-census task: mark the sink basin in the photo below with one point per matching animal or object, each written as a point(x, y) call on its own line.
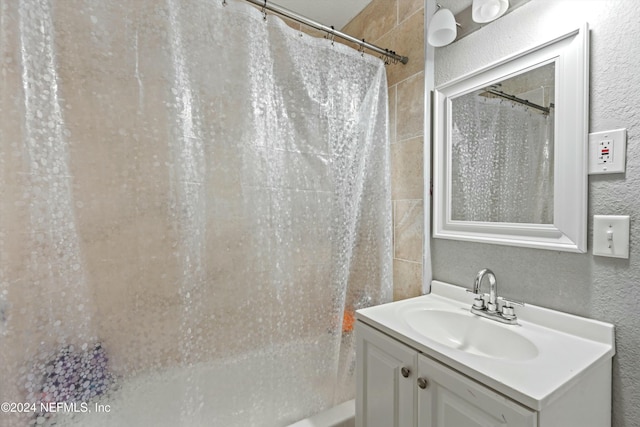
point(533, 362)
point(467, 332)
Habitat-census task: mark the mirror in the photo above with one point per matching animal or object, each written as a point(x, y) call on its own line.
point(510, 149)
point(502, 150)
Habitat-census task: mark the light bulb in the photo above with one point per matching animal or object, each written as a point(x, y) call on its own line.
point(442, 28)
point(484, 11)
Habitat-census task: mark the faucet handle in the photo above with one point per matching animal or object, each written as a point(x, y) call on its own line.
point(478, 302)
point(508, 302)
point(507, 309)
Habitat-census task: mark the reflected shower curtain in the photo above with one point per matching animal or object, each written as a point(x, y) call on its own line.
point(502, 162)
point(192, 199)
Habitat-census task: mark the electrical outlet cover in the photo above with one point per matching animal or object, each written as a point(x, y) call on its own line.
point(607, 151)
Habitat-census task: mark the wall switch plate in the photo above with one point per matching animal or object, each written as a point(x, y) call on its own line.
point(607, 151)
point(611, 235)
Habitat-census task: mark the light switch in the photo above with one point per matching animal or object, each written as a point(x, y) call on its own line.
point(611, 235)
point(607, 151)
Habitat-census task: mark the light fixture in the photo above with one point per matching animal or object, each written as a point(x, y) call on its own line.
point(442, 28)
point(484, 11)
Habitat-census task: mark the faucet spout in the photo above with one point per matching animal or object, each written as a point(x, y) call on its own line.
point(492, 304)
point(491, 310)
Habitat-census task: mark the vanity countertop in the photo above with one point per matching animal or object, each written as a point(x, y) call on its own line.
point(566, 346)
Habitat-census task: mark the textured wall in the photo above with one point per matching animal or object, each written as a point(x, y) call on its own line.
point(399, 25)
point(603, 288)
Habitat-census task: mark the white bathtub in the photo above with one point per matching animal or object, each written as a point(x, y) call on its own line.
point(266, 389)
point(343, 415)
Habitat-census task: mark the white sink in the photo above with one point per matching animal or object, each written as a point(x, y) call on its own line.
point(467, 332)
point(533, 361)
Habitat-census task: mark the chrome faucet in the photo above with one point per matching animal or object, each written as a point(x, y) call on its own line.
point(493, 290)
point(491, 309)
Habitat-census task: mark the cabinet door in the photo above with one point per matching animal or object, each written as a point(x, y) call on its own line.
point(450, 399)
point(385, 392)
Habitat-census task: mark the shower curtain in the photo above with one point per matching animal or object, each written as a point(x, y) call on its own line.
point(502, 162)
point(185, 184)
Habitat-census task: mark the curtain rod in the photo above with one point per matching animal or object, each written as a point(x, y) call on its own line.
point(329, 30)
point(513, 98)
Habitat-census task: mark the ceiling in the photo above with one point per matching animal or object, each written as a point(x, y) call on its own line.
point(328, 12)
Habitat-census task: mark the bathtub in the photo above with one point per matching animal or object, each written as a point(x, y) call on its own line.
point(266, 389)
point(343, 415)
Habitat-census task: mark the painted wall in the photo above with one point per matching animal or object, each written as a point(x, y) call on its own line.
point(607, 289)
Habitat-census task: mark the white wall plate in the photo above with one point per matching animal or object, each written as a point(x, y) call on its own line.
point(607, 151)
point(611, 235)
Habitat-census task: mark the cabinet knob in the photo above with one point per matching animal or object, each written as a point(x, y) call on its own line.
point(405, 372)
point(422, 383)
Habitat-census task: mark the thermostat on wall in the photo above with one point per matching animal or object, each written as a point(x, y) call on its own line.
point(607, 151)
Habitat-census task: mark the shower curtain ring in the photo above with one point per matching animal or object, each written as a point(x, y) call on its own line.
point(385, 58)
point(264, 11)
point(331, 35)
point(361, 50)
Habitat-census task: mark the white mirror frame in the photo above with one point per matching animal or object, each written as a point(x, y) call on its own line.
point(569, 229)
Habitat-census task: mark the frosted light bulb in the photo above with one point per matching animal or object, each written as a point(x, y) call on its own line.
point(484, 11)
point(442, 28)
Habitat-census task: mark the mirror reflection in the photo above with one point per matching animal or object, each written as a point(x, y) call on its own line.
point(502, 145)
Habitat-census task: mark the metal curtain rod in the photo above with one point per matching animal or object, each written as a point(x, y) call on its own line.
point(311, 23)
point(501, 94)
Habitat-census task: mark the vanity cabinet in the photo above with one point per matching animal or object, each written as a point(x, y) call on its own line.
point(397, 386)
point(429, 362)
point(450, 399)
point(386, 380)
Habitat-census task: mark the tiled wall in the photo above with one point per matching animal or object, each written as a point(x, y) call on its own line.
point(398, 25)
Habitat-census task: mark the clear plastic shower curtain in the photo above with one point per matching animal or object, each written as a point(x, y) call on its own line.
point(193, 201)
point(502, 162)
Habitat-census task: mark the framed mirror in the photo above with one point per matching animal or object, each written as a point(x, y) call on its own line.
point(510, 151)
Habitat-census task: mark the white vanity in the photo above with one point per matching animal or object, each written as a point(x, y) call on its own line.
point(429, 362)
